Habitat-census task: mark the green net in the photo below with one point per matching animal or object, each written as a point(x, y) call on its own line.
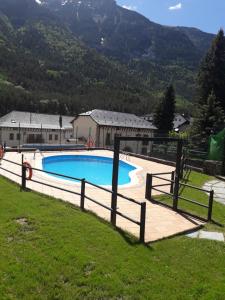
point(217, 146)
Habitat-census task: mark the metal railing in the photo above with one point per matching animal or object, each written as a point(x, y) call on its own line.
point(82, 193)
point(176, 197)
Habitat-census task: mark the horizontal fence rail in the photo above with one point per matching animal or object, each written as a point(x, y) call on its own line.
point(150, 187)
point(82, 194)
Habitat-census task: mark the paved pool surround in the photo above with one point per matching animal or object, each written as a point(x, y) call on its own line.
point(161, 222)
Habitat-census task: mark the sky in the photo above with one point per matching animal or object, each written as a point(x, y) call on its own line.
point(207, 15)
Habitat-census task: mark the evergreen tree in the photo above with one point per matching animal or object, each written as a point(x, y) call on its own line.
point(211, 75)
point(210, 120)
point(164, 114)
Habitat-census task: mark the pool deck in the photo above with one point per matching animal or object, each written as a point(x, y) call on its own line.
point(161, 222)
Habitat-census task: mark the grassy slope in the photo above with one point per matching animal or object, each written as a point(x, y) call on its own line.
point(66, 254)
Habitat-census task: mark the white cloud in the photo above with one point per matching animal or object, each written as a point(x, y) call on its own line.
point(176, 7)
point(130, 7)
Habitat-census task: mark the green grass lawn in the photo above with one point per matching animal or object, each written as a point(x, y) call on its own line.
point(62, 253)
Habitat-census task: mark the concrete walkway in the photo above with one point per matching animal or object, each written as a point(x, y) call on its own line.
point(219, 189)
point(201, 234)
point(161, 222)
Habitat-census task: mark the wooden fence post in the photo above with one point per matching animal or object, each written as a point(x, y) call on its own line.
point(148, 188)
point(177, 175)
point(182, 168)
point(115, 176)
point(142, 222)
point(172, 182)
point(23, 178)
point(82, 194)
point(211, 196)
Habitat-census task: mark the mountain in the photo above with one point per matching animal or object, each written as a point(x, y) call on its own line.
point(125, 34)
point(43, 67)
point(75, 55)
point(158, 54)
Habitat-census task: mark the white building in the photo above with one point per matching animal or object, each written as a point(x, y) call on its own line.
point(18, 128)
point(100, 127)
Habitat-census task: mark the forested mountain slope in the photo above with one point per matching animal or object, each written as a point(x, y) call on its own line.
point(70, 56)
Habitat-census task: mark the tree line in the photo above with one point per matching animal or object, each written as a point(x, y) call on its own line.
point(209, 116)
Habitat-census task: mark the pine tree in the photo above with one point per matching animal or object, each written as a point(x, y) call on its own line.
point(210, 120)
point(164, 114)
point(211, 75)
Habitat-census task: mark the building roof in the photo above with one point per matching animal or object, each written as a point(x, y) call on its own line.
point(117, 119)
point(33, 120)
point(179, 120)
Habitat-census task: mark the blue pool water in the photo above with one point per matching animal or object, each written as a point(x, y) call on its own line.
point(95, 169)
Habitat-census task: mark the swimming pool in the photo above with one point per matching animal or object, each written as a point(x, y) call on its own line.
point(95, 169)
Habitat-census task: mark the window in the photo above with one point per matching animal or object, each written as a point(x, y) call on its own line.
point(56, 137)
point(145, 143)
point(144, 151)
point(50, 137)
point(107, 140)
point(18, 136)
point(30, 138)
point(11, 136)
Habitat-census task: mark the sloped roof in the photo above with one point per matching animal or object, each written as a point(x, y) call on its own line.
point(179, 120)
point(117, 119)
point(34, 120)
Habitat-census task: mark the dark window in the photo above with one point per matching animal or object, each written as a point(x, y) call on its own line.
point(144, 151)
point(38, 138)
point(18, 136)
point(50, 137)
point(56, 137)
point(107, 140)
point(145, 143)
point(30, 138)
point(11, 136)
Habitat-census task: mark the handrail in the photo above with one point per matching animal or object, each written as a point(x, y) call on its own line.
point(159, 185)
point(165, 179)
point(163, 192)
point(98, 186)
point(78, 179)
point(10, 161)
point(150, 187)
point(57, 174)
point(11, 172)
point(100, 204)
point(128, 218)
point(195, 187)
point(157, 174)
point(44, 171)
point(55, 187)
point(129, 199)
point(194, 202)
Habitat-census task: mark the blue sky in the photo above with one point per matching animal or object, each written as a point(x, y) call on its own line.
point(207, 15)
